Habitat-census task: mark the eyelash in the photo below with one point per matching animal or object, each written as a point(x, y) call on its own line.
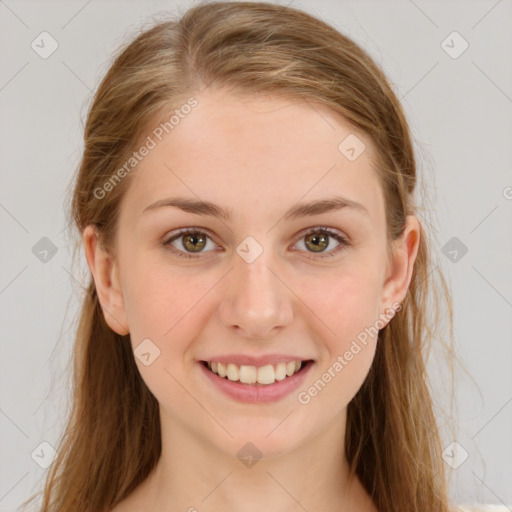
point(343, 242)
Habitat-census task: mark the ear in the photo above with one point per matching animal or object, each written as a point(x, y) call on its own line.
point(404, 252)
point(106, 278)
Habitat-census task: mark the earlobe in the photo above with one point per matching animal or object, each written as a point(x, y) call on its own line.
point(104, 270)
point(405, 251)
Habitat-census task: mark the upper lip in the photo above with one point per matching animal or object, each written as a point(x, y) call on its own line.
point(246, 360)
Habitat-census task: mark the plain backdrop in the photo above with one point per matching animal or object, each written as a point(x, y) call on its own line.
point(450, 63)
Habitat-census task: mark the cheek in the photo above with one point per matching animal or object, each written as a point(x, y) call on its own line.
point(150, 304)
point(347, 309)
point(166, 306)
point(162, 314)
point(346, 301)
point(155, 293)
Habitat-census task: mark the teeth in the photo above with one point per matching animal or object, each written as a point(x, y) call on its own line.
point(232, 372)
point(221, 370)
point(280, 371)
point(248, 374)
point(267, 374)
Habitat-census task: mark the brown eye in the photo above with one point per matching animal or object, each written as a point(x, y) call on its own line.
point(194, 242)
point(318, 242)
point(188, 241)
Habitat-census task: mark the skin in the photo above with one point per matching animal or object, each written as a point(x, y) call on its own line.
point(258, 156)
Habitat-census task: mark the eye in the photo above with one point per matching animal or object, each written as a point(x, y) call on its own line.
point(317, 241)
point(188, 240)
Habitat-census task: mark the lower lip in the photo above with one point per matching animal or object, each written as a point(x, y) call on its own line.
point(258, 393)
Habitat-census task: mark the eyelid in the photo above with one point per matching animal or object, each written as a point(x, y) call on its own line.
point(342, 239)
point(177, 233)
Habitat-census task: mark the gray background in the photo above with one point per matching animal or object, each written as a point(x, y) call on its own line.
point(460, 112)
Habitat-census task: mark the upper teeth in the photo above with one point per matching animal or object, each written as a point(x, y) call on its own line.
point(250, 374)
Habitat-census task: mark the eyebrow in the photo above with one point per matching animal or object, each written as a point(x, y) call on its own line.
point(296, 211)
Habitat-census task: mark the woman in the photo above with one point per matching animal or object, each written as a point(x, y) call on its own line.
point(256, 324)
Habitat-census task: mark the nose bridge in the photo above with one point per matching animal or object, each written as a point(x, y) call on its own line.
point(256, 301)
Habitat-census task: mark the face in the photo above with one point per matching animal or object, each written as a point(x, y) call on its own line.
point(271, 277)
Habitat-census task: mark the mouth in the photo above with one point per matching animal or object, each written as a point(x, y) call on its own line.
point(255, 384)
point(252, 375)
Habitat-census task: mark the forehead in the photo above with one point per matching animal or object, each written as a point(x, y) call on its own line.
point(251, 152)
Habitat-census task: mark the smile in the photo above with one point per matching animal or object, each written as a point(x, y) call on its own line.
point(268, 383)
point(267, 374)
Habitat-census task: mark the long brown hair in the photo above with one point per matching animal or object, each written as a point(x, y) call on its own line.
point(112, 438)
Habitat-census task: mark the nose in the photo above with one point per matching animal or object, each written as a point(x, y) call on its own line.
point(257, 301)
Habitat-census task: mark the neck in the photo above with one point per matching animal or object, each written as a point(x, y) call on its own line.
point(193, 475)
